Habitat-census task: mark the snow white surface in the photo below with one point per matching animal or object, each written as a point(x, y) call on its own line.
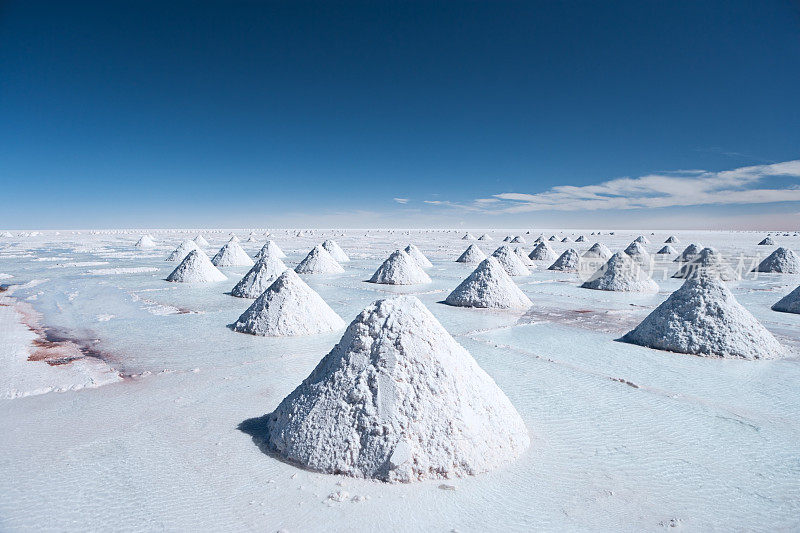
point(623, 437)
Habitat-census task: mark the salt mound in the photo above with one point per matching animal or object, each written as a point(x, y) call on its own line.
point(552, 238)
point(472, 254)
point(641, 239)
point(489, 286)
point(259, 278)
point(200, 241)
point(145, 241)
point(565, 239)
point(672, 239)
point(707, 261)
point(538, 240)
point(523, 255)
point(398, 400)
point(510, 261)
point(183, 250)
point(638, 252)
point(270, 249)
point(704, 318)
point(319, 261)
point(333, 248)
point(400, 269)
point(767, 242)
point(581, 238)
point(666, 250)
point(484, 237)
point(542, 252)
point(508, 238)
point(689, 253)
point(234, 238)
point(789, 303)
point(251, 238)
point(468, 237)
point(518, 240)
point(232, 254)
point(568, 261)
point(288, 308)
point(782, 261)
point(621, 273)
point(196, 267)
point(418, 256)
point(598, 250)
point(7, 235)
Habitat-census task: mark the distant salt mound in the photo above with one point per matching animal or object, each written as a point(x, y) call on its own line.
point(518, 240)
point(508, 238)
point(641, 239)
point(468, 237)
point(637, 252)
point(522, 253)
point(708, 261)
point(552, 238)
point(672, 239)
point(789, 303)
point(259, 278)
point(398, 400)
point(288, 308)
point(782, 260)
point(232, 254)
point(145, 241)
point(201, 241)
point(234, 238)
point(567, 262)
point(7, 235)
point(598, 251)
point(565, 239)
point(418, 256)
point(319, 261)
point(196, 267)
point(270, 248)
point(623, 274)
point(666, 250)
point(539, 239)
point(580, 238)
point(183, 250)
point(489, 286)
point(333, 248)
point(484, 237)
point(472, 254)
point(689, 253)
point(767, 242)
point(510, 261)
point(400, 269)
point(704, 318)
point(542, 252)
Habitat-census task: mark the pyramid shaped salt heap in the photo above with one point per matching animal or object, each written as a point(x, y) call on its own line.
point(782, 260)
point(641, 239)
point(689, 253)
point(201, 241)
point(703, 318)
point(196, 267)
point(510, 261)
point(232, 254)
point(568, 261)
point(666, 250)
point(565, 239)
point(418, 256)
point(518, 240)
point(789, 303)
point(598, 251)
point(288, 308)
point(397, 400)
point(552, 238)
point(708, 261)
point(489, 286)
point(538, 240)
point(333, 248)
point(145, 241)
point(523, 255)
point(183, 250)
point(400, 269)
point(259, 278)
point(672, 239)
point(484, 237)
point(542, 252)
point(638, 252)
point(580, 238)
point(623, 274)
point(472, 254)
point(319, 261)
point(468, 237)
point(767, 242)
point(270, 248)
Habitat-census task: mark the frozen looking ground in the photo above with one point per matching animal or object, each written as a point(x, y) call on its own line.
point(622, 437)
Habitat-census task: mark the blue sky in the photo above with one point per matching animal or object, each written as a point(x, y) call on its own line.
point(499, 114)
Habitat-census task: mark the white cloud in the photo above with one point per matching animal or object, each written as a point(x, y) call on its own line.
point(401, 200)
point(663, 189)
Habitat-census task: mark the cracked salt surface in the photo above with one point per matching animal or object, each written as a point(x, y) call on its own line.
point(701, 443)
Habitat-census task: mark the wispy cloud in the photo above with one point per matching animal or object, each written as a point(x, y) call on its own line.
point(662, 189)
point(401, 200)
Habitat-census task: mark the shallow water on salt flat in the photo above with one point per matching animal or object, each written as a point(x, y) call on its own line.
point(707, 443)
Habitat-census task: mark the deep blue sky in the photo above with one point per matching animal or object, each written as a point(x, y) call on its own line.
point(315, 113)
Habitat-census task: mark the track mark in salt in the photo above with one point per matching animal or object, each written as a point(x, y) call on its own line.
point(75, 264)
point(116, 271)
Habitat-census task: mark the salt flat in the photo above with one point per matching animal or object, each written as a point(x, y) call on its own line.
point(622, 437)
